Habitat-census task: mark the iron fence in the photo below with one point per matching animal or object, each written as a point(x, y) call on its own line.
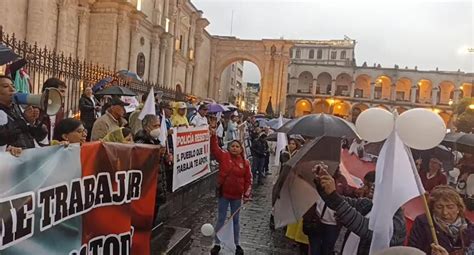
point(44, 63)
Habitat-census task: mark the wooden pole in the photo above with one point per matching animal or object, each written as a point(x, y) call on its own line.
point(422, 194)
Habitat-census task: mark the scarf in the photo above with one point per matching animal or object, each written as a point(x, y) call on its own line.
point(453, 229)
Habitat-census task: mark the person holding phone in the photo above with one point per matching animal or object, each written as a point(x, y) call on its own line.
point(352, 214)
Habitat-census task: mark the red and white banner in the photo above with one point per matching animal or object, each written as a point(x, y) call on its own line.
point(190, 155)
point(94, 199)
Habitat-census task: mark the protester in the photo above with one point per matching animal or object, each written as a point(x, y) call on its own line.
point(119, 135)
point(111, 120)
point(234, 184)
point(179, 119)
point(69, 131)
point(367, 189)
point(266, 164)
point(150, 133)
point(134, 123)
point(200, 118)
point(258, 150)
point(320, 223)
point(90, 108)
point(17, 129)
point(50, 121)
point(232, 128)
point(352, 214)
point(454, 231)
point(434, 176)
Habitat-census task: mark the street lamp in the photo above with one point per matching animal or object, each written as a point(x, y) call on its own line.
point(471, 106)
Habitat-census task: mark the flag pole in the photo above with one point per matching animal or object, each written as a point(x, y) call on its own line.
point(422, 194)
point(230, 218)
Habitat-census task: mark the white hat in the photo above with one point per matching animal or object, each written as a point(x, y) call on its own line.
point(181, 105)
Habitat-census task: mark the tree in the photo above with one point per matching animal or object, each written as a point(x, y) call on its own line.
point(465, 115)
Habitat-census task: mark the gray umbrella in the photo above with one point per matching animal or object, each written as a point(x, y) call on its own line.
point(460, 142)
point(116, 91)
point(6, 54)
point(316, 125)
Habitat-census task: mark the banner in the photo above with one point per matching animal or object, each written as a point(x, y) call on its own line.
point(94, 199)
point(191, 155)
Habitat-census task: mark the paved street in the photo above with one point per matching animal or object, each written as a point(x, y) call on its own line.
point(256, 236)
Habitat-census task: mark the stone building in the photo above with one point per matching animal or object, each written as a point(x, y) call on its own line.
point(163, 41)
point(323, 77)
point(231, 86)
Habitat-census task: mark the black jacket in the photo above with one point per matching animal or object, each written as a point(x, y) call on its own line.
point(88, 113)
point(259, 148)
point(16, 132)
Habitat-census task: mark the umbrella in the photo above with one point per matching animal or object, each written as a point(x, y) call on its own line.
point(6, 54)
point(215, 107)
point(262, 122)
point(231, 106)
point(127, 75)
point(116, 91)
point(259, 116)
point(316, 125)
point(294, 192)
point(101, 84)
point(273, 123)
point(460, 142)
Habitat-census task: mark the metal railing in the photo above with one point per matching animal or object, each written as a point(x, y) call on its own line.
point(43, 63)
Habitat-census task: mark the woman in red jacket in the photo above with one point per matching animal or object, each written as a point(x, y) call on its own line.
point(234, 184)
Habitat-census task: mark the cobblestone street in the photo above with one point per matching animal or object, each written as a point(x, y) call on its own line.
point(256, 235)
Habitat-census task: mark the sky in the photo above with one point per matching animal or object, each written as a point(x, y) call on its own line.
point(422, 33)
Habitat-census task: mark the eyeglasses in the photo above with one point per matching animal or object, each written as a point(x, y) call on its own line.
point(81, 130)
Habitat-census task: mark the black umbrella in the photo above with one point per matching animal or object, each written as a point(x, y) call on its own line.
point(6, 54)
point(460, 142)
point(316, 125)
point(116, 91)
point(327, 149)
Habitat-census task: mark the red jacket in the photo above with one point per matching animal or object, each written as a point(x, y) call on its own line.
point(235, 177)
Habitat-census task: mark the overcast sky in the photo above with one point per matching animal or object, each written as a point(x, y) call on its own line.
point(423, 33)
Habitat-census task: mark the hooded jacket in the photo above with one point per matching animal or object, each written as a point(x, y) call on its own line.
point(235, 177)
point(176, 119)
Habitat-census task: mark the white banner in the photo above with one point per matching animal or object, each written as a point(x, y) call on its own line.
point(191, 154)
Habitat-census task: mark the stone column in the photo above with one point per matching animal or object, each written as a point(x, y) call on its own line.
point(393, 92)
point(333, 87)
point(457, 93)
point(315, 87)
point(83, 17)
point(352, 91)
point(266, 85)
point(173, 13)
point(134, 42)
point(189, 77)
point(372, 90)
point(284, 82)
point(434, 96)
point(164, 49)
point(122, 54)
point(413, 94)
point(155, 58)
point(62, 28)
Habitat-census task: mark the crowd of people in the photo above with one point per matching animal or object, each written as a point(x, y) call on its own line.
point(336, 224)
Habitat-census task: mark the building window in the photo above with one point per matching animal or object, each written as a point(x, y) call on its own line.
point(311, 54)
point(343, 54)
point(181, 42)
point(320, 54)
point(298, 53)
point(231, 81)
point(240, 72)
point(333, 55)
point(233, 67)
point(141, 64)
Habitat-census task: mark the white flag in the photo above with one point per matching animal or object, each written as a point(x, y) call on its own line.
point(164, 130)
point(395, 184)
point(226, 237)
point(149, 107)
point(282, 142)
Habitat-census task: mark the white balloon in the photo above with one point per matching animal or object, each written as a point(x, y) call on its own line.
point(374, 124)
point(420, 129)
point(207, 229)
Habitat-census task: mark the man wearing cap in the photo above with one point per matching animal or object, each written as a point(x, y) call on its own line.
point(434, 176)
point(179, 115)
point(200, 119)
point(111, 120)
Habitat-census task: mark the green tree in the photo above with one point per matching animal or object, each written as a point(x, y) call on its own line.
point(465, 115)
